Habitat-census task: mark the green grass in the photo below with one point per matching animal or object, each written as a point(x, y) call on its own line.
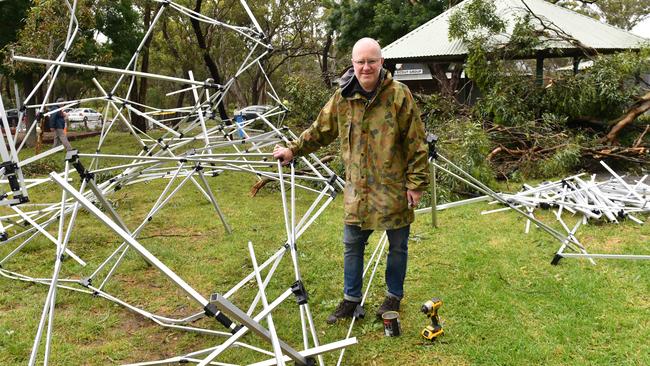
point(504, 304)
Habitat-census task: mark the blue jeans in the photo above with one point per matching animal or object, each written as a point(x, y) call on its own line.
point(355, 241)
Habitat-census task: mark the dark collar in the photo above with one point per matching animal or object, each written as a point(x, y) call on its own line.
point(357, 88)
point(350, 85)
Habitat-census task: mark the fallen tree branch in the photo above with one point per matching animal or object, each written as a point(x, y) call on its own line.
point(637, 109)
point(597, 154)
point(492, 153)
point(638, 141)
point(259, 185)
point(548, 25)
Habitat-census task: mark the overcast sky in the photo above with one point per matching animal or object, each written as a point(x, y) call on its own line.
point(642, 29)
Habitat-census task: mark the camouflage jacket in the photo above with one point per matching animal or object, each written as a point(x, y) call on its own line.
point(382, 146)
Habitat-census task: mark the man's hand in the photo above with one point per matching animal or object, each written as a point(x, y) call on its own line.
point(284, 154)
point(413, 197)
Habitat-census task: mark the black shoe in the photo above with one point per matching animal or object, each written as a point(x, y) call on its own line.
point(345, 309)
point(390, 304)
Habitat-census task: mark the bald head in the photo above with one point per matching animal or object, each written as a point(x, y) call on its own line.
point(366, 45)
point(367, 62)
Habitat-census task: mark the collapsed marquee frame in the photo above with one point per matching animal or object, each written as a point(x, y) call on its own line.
point(176, 158)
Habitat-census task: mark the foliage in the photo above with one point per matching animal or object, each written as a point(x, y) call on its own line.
point(293, 27)
point(605, 90)
point(624, 14)
point(306, 96)
point(383, 20)
point(537, 128)
point(509, 99)
point(43, 35)
point(121, 24)
point(476, 21)
point(525, 38)
point(45, 30)
point(562, 163)
point(461, 140)
point(12, 14)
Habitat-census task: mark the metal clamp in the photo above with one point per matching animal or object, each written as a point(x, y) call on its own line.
point(298, 289)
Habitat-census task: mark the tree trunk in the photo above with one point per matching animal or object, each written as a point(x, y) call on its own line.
point(637, 109)
point(28, 85)
point(7, 84)
point(209, 62)
point(240, 97)
point(185, 72)
point(325, 73)
point(258, 89)
point(180, 99)
point(448, 86)
point(141, 95)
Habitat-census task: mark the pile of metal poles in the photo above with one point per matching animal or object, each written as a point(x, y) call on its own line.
point(613, 199)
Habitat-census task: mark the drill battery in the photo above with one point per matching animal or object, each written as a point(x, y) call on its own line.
point(431, 333)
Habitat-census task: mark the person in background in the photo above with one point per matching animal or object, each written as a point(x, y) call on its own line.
point(57, 124)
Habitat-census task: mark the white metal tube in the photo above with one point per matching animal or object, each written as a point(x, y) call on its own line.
point(132, 242)
point(606, 256)
point(243, 330)
point(45, 233)
point(112, 70)
point(269, 318)
point(342, 344)
point(382, 244)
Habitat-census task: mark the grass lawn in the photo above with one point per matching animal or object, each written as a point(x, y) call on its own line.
point(504, 304)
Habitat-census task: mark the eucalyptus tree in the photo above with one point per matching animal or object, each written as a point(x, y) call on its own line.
point(384, 20)
point(12, 14)
point(624, 14)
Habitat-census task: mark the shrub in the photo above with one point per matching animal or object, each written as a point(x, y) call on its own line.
point(462, 140)
point(306, 96)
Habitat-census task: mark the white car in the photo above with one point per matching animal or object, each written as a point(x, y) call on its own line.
point(84, 115)
point(252, 111)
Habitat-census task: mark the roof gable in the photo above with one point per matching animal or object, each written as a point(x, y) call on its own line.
point(431, 40)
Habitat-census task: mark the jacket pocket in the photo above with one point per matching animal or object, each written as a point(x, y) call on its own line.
point(392, 200)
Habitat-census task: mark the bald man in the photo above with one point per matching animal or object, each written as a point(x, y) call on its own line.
point(385, 156)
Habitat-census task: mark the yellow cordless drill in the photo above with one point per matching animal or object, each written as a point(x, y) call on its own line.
point(430, 309)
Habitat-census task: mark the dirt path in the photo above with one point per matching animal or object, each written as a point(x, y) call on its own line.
point(48, 137)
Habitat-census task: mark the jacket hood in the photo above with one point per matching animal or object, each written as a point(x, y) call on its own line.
point(347, 80)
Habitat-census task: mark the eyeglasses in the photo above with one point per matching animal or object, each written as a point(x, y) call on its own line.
point(370, 62)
